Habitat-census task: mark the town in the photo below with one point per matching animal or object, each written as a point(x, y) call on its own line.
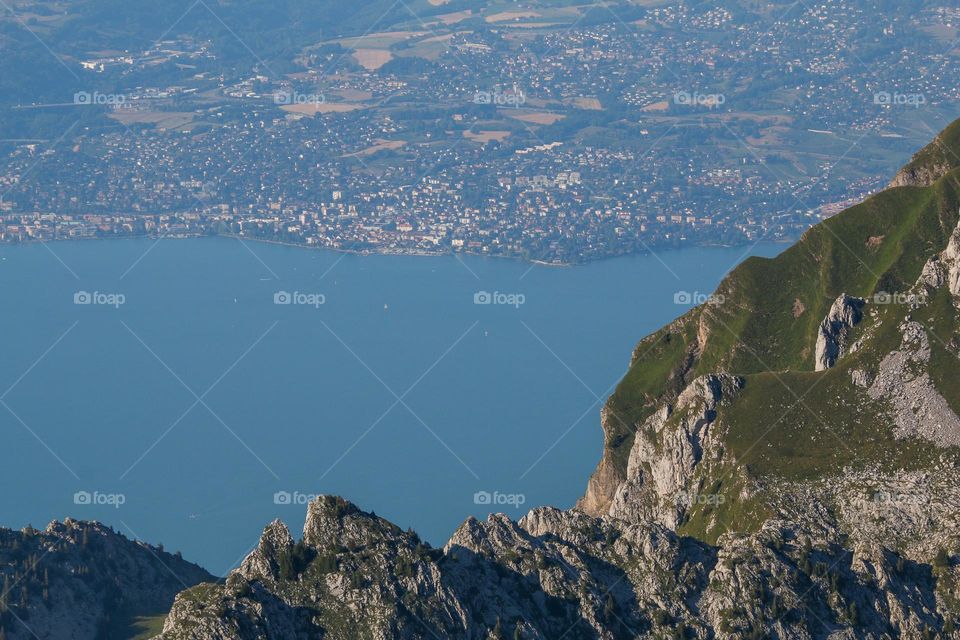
point(508, 134)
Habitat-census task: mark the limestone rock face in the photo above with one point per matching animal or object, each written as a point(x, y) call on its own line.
point(845, 313)
point(944, 268)
point(561, 572)
point(263, 563)
point(667, 449)
point(604, 481)
point(920, 176)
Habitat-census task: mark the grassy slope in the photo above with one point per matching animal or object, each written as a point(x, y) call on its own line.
point(878, 245)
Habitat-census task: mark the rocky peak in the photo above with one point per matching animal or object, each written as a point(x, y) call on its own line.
point(334, 522)
point(845, 313)
point(487, 538)
point(263, 563)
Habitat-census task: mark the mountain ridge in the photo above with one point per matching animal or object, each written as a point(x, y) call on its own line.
point(81, 579)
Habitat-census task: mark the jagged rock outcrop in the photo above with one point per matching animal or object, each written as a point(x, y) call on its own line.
point(560, 574)
point(82, 580)
point(619, 429)
point(931, 163)
point(920, 175)
point(262, 563)
point(844, 314)
point(606, 478)
point(666, 450)
point(944, 268)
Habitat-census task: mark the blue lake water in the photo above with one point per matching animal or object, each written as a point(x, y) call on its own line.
point(208, 410)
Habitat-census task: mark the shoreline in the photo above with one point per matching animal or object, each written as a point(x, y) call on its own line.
point(404, 253)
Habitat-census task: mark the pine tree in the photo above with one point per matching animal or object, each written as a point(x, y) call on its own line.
point(498, 630)
point(5, 595)
point(942, 560)
point(609, 608)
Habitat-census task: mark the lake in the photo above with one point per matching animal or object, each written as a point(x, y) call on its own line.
point(189, 391)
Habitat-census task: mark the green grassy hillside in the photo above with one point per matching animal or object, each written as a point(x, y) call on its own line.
point(766, 327)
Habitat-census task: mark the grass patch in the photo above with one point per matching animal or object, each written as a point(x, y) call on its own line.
point(834, 425)
point(132, 626)
point(940, 320)
point(709, 517)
